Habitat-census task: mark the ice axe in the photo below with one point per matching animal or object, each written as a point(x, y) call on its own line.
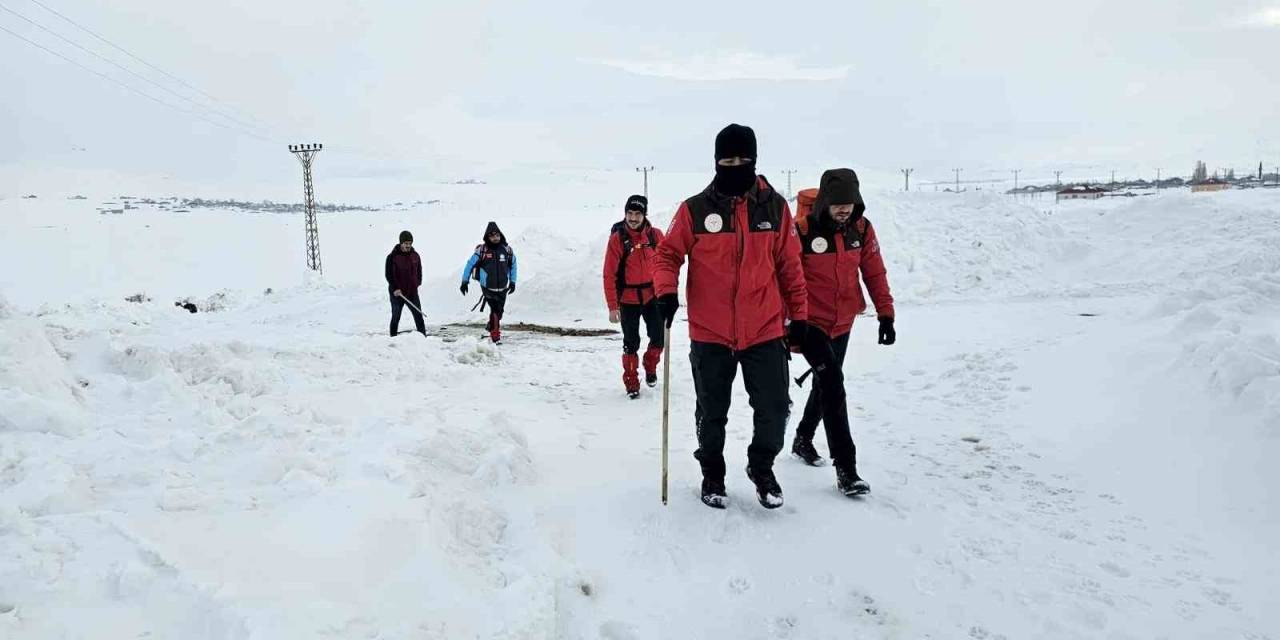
point(412, 306)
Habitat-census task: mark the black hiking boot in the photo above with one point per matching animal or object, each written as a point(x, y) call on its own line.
point(633, 394)
point(651, 379)
point(767, 490)
point(803, 448)
point(848, 482)
point(713, 494)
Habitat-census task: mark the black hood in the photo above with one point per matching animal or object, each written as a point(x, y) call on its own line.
point(838, 186)
point(493, 226)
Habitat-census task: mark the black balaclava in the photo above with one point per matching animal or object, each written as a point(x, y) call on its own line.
point(493, 226)
point(735, 141)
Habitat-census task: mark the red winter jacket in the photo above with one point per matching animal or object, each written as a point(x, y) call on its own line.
point(744, 266)
point(832, 259)
point(639, 268)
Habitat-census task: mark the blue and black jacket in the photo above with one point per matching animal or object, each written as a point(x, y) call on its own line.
point(493, 265)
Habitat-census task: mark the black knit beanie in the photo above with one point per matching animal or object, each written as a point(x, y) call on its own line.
point(405, 236)
point(637, 203)
point(736, 141)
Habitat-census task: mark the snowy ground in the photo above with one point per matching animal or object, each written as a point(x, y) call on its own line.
point(1074, 437)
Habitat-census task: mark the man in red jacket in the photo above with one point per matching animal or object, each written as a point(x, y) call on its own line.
point(628, 289)
point(744, 279)
point(404, 276)
point(838, 243)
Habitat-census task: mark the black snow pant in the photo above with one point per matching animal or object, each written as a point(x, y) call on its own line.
point(397, 305)
point(653, 325)
point(764, 372)
point(497, 303)
point(827, 401)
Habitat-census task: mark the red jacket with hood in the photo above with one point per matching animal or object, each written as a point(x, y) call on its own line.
point(834, 256)
point(744, 276)
point(639, 267)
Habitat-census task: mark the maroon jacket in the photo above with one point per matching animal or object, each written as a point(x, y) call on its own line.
point(404, 270)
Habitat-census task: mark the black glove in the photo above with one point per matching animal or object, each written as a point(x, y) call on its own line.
point(668, 304)
point(887, 334)
point(511, 288)
point(797, 331)
point(463, 288)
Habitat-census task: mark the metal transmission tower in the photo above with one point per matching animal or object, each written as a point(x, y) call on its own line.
point(306, 153)
point(906, 174)
point(645, 171)
point(789, 172)
point(1015, 178)
point(1057, 178)
point(957, 179)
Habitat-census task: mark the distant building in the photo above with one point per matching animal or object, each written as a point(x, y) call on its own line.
point(1212, 184)
point(1080, 192)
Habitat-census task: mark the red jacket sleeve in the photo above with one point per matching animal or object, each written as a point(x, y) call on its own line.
point(790, 270)
point(671, 252)
point(875, 275)
point(612, 256)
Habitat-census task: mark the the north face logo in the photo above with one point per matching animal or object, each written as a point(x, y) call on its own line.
point(765, 226)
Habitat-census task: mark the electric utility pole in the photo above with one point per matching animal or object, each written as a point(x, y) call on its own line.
point(957, 179)
point(306, 153)
point(1015, 179)
point(1157, 178)
point(1057, 178)
point(906, 174)
point(645, 171)
point(789, 173)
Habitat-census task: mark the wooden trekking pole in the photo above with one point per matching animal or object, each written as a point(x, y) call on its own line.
point(666, 404)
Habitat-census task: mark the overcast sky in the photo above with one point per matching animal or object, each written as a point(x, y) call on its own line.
point(424, 88)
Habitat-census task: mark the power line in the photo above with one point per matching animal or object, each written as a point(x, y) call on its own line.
point(135, 57)
point(124, 68)
point(130, 88)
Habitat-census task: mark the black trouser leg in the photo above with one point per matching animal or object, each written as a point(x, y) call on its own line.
point(397, 305)
point(497, 301)
point(654, 325)
point(765, 375)
point(714, 369)
point(417, 317)
point(631, 314)
point(828, 402)
point(818, 349)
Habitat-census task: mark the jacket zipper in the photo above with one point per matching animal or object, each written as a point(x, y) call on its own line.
point(737, 271)
point(839, 257)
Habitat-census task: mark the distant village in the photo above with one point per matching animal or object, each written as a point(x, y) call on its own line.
point(1200, 181)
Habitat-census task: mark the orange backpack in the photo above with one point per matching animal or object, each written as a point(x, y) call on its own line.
point(804, 204)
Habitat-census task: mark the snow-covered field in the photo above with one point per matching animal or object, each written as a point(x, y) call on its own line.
point(1075, 436)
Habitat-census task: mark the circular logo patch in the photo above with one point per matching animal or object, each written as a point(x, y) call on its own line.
point(819, 245)
point(713, 222)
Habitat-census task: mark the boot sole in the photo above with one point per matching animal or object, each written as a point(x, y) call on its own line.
point(820, 462)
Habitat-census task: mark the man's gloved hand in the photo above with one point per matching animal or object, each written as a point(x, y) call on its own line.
point(668, 304)
point(887, 334)
point(511, 288)
point(797, 331)
point(463, 288)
